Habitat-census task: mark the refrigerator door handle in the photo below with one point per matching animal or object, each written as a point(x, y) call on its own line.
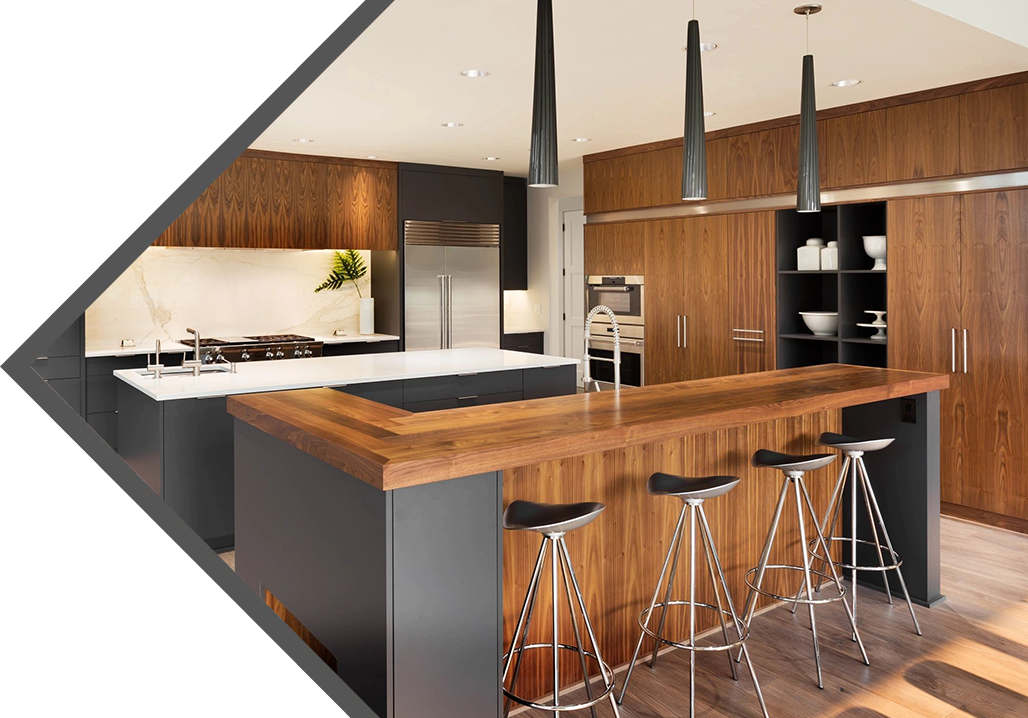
point(442, 311)
point(449, 311)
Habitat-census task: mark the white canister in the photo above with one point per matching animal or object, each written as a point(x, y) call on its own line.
point(367, 324)
point(808, 257)
point(830, 256)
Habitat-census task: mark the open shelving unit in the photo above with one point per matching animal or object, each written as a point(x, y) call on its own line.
point(851, 290)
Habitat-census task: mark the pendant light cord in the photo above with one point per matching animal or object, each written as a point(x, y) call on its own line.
point(693, 9)
point(808, 29)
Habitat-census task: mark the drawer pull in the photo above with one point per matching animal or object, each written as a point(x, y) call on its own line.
point(467, 398)
point(470, 373)
point(747, 339)
point(42, 358)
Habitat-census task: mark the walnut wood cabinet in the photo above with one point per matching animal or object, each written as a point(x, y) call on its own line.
point(276, 201)
point(958, 298)
point(614, 249)
point(750, 242)
point(971, 129)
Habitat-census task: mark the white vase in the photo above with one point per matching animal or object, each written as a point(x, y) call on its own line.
point(367, 325)
point(808, 257)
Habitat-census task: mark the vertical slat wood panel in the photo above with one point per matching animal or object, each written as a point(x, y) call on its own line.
point(618, 557)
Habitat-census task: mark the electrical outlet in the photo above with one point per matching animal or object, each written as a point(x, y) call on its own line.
point(538, 308)
point(908, 411)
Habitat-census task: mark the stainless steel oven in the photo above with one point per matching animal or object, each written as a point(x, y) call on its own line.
point(624, 295)
point(633, 354)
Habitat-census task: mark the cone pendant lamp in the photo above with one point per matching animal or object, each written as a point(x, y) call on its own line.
point(542, 164)
point(694, 145)
point(808, 175)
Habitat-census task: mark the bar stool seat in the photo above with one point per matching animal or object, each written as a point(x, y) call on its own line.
point(767, 459)
point(688, 487)
point(550, 518)
point(850, 443)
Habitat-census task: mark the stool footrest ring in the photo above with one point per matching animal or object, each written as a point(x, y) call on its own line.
point(645, 613)
point(896, 560)
point(605, 671)
point(795, 599)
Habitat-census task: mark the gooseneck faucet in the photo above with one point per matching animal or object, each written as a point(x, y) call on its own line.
point(588, 383)
point(195, 363)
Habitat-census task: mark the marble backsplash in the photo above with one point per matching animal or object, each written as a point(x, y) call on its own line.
point(226, 292)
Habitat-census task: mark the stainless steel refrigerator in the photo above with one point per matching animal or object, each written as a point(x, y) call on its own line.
point(451, 285)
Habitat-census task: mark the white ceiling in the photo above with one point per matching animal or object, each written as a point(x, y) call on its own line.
point(620, 73)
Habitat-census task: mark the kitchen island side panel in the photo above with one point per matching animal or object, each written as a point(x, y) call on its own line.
point(447, 598)
point(320, 541)
point(141, 435)
point(905, 479)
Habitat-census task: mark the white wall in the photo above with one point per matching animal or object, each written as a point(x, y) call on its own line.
point(539, 309)
point(223, 292)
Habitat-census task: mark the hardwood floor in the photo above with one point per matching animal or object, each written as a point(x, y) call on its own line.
point(971, 662)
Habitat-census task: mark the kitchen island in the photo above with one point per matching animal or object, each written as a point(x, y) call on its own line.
point(379, 530)
point(175, 433)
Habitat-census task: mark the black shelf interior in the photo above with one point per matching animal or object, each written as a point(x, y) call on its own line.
point(851, 290)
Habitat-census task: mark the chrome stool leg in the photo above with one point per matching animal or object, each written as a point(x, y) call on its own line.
point(869, 492)
point(560, 567)
point(694, 505)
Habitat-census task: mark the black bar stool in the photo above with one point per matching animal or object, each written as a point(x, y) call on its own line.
point(693, 492)
point(793, 467)
point(853, 465)
point(553, 521)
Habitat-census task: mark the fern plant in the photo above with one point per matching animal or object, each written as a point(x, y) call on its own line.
point(347, 266)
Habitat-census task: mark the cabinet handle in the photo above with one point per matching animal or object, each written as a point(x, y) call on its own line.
point(749, 331)
point(467, 398)
point(747, 339)
point(965, 351)
point(42, 358)
point(678, 329)
point(953, 349)
point(470, 373)
point(685, 331)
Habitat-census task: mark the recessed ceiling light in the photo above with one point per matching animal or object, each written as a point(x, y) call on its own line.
point(845, 83)
point(704, 47)
point(303, 140)
point(490, 159)
point(453, 124)
point(475, 73)
point(582, 139)
point(709, 113)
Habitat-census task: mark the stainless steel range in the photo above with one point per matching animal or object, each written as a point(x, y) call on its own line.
point(267, 347)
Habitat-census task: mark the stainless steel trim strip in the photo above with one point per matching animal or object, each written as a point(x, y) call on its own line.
point(952, 185)
point(450, 234)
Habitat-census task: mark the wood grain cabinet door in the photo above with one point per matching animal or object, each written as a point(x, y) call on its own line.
point(924, 298)
point(992, 135)
point(923, 139)
point(665, 299)
point(706, 341)
point(994, 281)
point(856, 149)
point(750, 246)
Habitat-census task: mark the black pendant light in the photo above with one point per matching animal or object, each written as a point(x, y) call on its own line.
point(808, 175)
point(542, 164)
point(694, 146)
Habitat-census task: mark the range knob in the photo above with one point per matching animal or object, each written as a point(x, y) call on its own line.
point(297, 353)
point(280, 354)
point(245, 356)
point(269, 355)
point(307, 352)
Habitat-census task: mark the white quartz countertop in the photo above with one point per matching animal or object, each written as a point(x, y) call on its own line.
point(335, 371)
point(96, 349)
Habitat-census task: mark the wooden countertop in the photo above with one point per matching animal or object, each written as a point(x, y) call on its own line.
point(391, 448)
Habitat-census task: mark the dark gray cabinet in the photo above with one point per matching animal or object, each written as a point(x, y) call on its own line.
point(350, 348)
point(514, 234)
point(61, 366)
point(450, 193)
point(183, 450)
point(389, 393)
point(101, 402)
point(550, 381)
point(531, 342)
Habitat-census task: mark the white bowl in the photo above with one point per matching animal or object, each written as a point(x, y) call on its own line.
point(874, 246)
point(822, 324)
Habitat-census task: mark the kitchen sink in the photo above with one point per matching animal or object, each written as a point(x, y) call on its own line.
point(185, 370)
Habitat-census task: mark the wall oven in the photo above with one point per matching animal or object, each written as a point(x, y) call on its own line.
point(624, 295)
point(633, 354)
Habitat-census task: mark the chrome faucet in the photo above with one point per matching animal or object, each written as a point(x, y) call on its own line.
point(588, 383)
point(195, 363)
point(156, 367)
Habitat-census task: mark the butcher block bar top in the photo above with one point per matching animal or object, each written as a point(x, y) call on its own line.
point(391, 448)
